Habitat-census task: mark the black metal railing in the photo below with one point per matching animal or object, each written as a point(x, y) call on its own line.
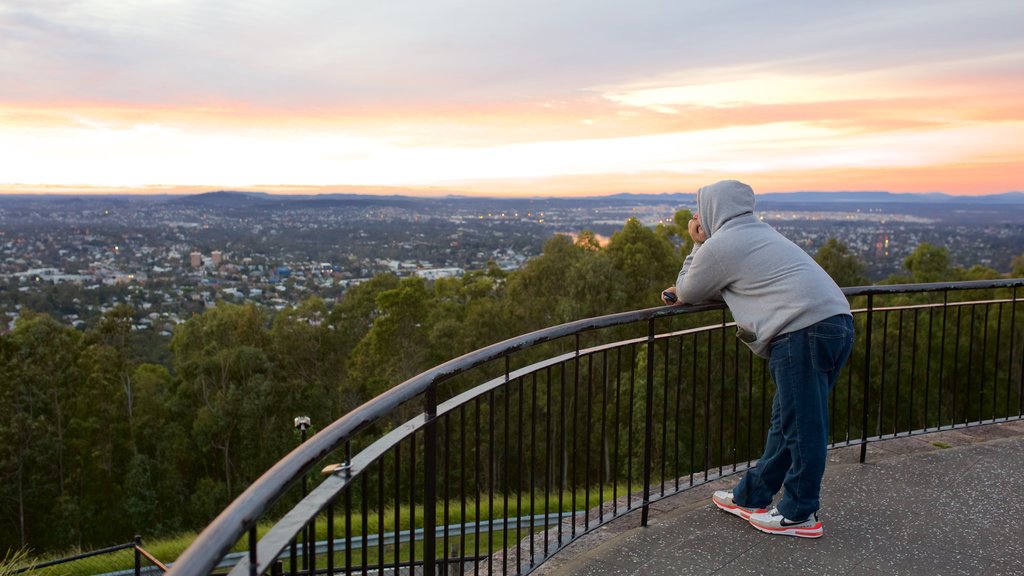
point(129, 559)
point(496, 460)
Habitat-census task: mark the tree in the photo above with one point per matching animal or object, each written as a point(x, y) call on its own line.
point(1017, 270)
point(395, 348)
point(645, 263)
point(221, 359)
point(929, 263)
point(678, 231)
point(39, 361)
point(845, 268)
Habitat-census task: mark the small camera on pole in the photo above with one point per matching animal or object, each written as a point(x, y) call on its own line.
point(302, 423)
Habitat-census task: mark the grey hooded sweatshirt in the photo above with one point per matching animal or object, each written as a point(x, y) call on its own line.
point(769, 283)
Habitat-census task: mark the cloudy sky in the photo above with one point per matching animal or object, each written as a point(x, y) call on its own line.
point(524, 97)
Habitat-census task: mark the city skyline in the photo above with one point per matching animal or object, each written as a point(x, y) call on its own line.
point(510, 98)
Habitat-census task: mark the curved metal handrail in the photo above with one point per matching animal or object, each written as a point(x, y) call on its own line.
point(242, 514)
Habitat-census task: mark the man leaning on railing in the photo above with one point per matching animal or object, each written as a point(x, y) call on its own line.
point(788, 310)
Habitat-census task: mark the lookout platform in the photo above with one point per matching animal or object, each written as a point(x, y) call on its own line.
point(942, 503)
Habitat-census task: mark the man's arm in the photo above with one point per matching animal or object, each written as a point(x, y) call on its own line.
point(690, 288)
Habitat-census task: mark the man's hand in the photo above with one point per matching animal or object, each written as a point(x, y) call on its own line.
point(669, 297)
point(696, 230)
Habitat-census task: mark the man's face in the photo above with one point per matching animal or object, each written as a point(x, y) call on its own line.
point(696, 230)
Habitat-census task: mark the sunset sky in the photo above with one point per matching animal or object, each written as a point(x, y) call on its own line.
point(501, 97)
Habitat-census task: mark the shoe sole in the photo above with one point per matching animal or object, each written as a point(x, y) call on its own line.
point(815, 531)
point(736, 510)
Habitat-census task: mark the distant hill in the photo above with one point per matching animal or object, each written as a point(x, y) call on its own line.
point(229, 199)
point(890, 197)
point(224, 198)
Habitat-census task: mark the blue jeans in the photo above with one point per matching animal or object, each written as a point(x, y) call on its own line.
point(804, 365)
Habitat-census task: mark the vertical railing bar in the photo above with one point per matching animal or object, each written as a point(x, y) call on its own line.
point(137, 550)
point(533, 464)
point(833, 432)
point(970, 366)
point(490, 485)
point(629, 427)
point(664, 418)
point(942, 353)
point(649, 424)
point(506, 475)
point(381, 471)
point(348, 516)
point(721, 400)
point(412, 499)
point(548, 460)
point(913, 376)
point(602, 452)
point(677, 442)
point(615, 449)
point(707, 410)
point(330, 536)
point(586, 442)
point(928, 366)
point(881, 385)
point(253, 559)
point(365, 525)
point(293, 555)
point(574, 407)
point(899, 371)
point(750, 405)
point(464, 469)
point(312, 545)
point(867, 378)
point(1020, 373)
point(956, 367)
point(995, 367)
point(398, 509)
point(563, 452)
point(736, 400)
point(984, 369)
point(305, 534)
point(552, 462)
point(849, 405)
point(446, 499)
point(764, 403)
point(522, 470)
point(478, 489)
point(693, 407)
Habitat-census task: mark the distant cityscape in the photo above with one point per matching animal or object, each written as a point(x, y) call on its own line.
point(173, 256)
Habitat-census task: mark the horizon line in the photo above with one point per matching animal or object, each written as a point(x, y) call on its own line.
point(403, 191)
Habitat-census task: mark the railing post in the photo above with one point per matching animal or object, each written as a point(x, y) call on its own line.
point(138, 555)
point(1009, 372)
point(252, 551)
point(649, 423)
point(867, 378)
point(429, 483)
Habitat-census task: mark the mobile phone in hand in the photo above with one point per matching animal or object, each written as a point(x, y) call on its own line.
point(669, 297)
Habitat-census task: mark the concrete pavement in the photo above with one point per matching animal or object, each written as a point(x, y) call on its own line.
point(950, 502)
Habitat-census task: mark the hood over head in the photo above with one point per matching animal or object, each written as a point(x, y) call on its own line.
point(723, 201)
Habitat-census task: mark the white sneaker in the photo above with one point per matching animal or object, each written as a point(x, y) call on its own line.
point(775, 523)
point(724, 501)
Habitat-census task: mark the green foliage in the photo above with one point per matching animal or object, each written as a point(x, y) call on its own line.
point(929, 263)
point(1018, 266)
point(843, 266)
point(14, 561)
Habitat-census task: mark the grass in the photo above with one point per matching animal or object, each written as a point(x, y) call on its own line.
point(14, 560)
point(169, 548)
